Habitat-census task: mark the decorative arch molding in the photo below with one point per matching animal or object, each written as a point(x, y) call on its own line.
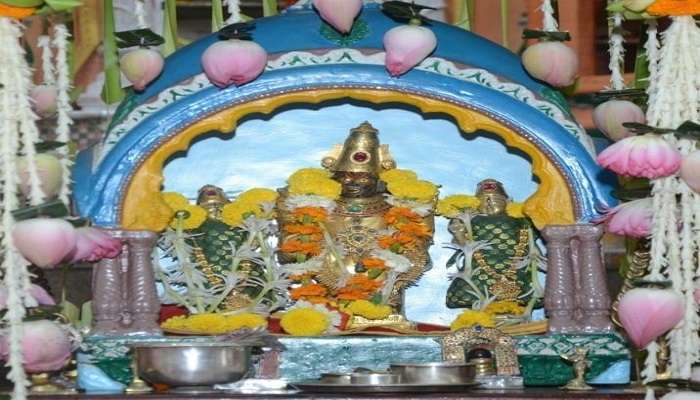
point(119, 188)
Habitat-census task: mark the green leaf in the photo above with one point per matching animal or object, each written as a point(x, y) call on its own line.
point(48, 145)
point(86, 315)
point(63, 5)
point(112, 91)
point(239, 30)
point(373, 273)
point(631, 194)
point(402, 11)
point(138, 37)
point(169, 28)
point(51, 209)
point(552, 36)
point(70, 311)
point(217, 15)
point(626, 94)
point(376, 299)
point(270, 8)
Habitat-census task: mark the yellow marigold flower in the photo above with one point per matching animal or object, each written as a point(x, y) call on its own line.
point(192, 217)
point(451, 206)
point(504, 307)
point(515, 210)
point(214, 323)
point(308, 174)
point(176, 201)
point(324, 187)
point(305, 322)
point(234, 213)
point(470, 318)
point(421, 191)
point(368, 309)
point(258, 195)
point(398, 175)
point(16, 12)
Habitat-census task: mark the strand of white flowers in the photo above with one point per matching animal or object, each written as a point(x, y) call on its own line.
point(234, 10)
point(652, 52)
point(44, 43)
point(10, 35)
point(549, 23)
point(64, 121)
point(140, 12)
point(649, 371)
point(617, 51)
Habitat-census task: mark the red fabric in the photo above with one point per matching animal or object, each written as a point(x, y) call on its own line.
point(170, 310)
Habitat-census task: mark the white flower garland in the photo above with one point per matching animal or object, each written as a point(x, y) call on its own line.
point(652, 51)
point(234, 9)
point(64, 121)
point(17, 124)
point(673, 100)
point(617, 52)
point(549, 23)
point(140, 12)
point(44, 43)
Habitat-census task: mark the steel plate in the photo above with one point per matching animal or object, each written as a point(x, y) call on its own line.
point(317, 387)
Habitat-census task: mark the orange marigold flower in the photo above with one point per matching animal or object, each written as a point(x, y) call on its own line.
point(302, 229)
point(297, 246)
point(301, 277)
point(674, 7)
point(312, 289)
point(352, 294)
point(16, 12)
point(401, 215)
point(386, 241)
point(405, 239)
point(412, 228)
point(363, 282)
point(376, 263)
point(316, 213)
point(316, 300)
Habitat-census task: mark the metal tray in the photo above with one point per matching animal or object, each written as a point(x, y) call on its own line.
point(319, 387)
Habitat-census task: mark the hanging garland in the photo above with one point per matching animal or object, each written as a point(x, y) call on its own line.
point(64, 121)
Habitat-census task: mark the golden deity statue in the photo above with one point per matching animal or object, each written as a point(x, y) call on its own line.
point(373, 246)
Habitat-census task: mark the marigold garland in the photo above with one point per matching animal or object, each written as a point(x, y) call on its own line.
point(305, 322)
point(308, 249)
point(515, 210)
point(311, 290)
point(470, 318)
point(451, 206)
point(16, 12)
point(401, 215)
point(368, 309)
point(324, 187)
point(175, 200)
point(258, 196)
point(398, 175)
point(302, 229)
point(504, 307)
point(307, 174)
point(373, 263)
point(214, 323)
point(309, 214)
point(674, 7)
point(194, 217)
point(420, 191)
point(233, 214)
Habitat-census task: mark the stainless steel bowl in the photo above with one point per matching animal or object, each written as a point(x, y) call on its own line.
point(191, 364)
point(435, 373)
point(375, 378)
point(340, 379)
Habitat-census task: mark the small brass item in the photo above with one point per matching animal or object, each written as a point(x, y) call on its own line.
point(483, 362)
point(137, 385)
point(41, 384)
point(581, 363)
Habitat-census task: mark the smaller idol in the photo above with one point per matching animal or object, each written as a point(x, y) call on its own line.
point(496, 257)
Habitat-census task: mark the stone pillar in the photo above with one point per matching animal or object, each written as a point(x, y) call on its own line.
point(560, 288)
point(125, 300)
point(594, 299)
point(143, 305)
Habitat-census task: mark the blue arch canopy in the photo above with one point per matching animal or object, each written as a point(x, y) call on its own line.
point(465, 69)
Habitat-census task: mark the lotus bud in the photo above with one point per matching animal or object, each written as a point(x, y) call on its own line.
point(45, 242)
point(93, 245)
point(647, 314)
point(233, 62)
point(340, 14)
point(37, 296)
point(141, 67)
point(406, 46)
point(637, 5)
point(631, 219)
point(690, 170)
point(46, 346)
point(609, 117)
point(551, 62)
point(646, 156)
point(50, 174)
point(44, 99)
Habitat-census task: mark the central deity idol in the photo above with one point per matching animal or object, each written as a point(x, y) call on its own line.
point(374, 241)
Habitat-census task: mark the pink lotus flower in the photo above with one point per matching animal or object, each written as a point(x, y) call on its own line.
point(233, 62)
point(690, 170)
point(340, 14)
point(647, 156)
point(647, 314)
point(46, 346)
point(552, 62)
point(50, 174)
point(44, 241)
point(609, 117)
point(406, 46)
point(631, 219)
point(141, 67)
point(93, 245)
point(37, 297)
point(44, 100)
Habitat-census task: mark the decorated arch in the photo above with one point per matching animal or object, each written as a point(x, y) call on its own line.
point(475, 83)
